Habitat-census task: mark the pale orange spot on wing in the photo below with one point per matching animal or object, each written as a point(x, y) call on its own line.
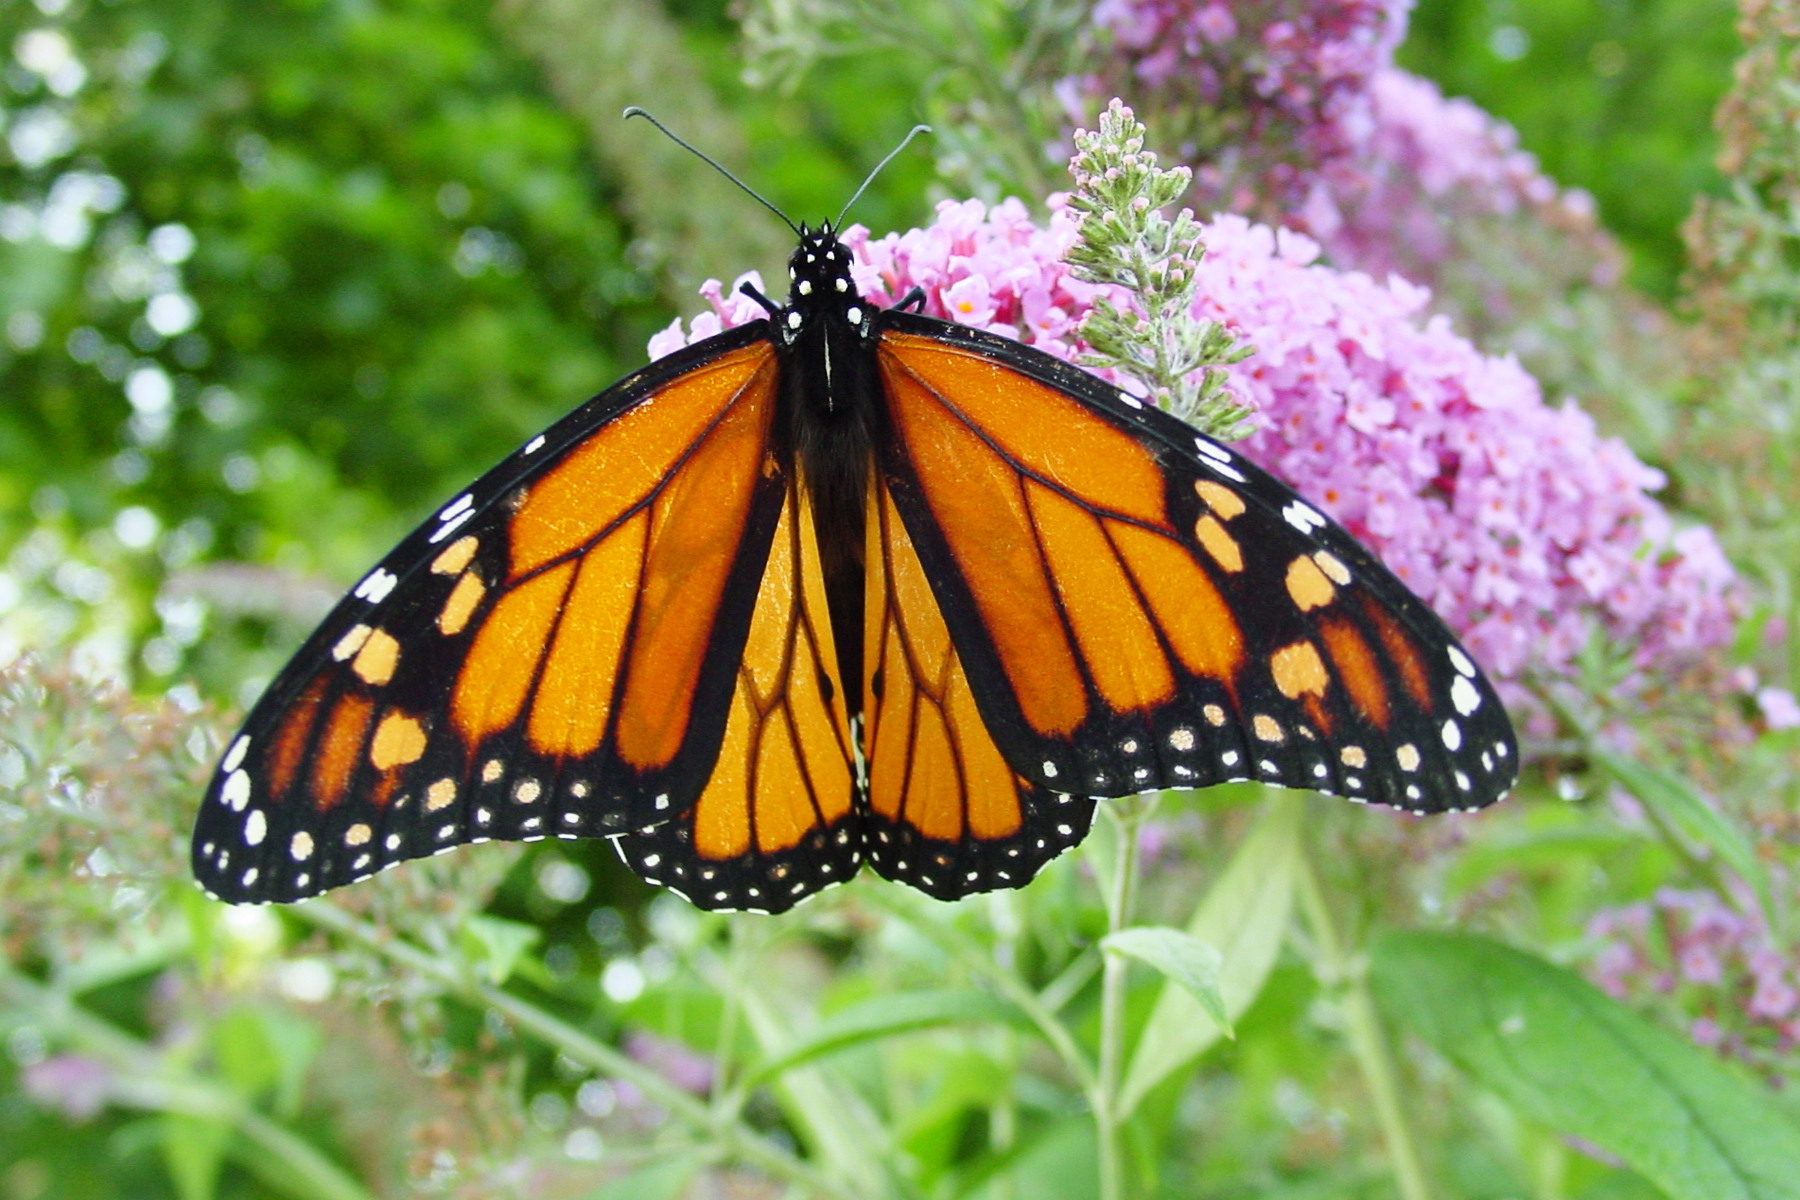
point(696, 527)
point(1298, 671)
point(1220, 499)
point(622, 463)
point(376, 661)
point(1307, 585)
point(461, 605)
point(1221, 545)
point(454, 557)
point(1117, 641)
point(340, 748)
point(569, 711)
point(1356, 665)
point(974, 496)
point(399, 740)
point(1189, 609)
point(497, 674)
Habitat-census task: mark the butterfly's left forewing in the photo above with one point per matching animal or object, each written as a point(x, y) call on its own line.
point(550, 655)
point(1139, 607)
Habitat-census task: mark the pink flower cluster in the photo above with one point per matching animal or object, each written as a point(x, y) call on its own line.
point(1273, 88)
point(1735, 984)
point(1515, 520)
point(1304, 121)
point(1421, 166)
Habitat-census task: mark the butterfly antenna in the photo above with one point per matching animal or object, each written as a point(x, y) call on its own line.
point(904, 143)
point(635, 111)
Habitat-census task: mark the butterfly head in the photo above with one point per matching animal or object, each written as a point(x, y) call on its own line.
point(819, 273)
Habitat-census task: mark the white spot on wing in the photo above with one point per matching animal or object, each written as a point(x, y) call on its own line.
point(450, 526)
point(234, 757)
point(376, 587)
point(1302, 517)
point(256, 827)
point(535, 444)
point(236, 791)
point(1464, 695)
point(1461, 662)
point(1452, 735)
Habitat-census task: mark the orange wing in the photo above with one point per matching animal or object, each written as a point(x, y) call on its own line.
point(779, 820)
point(1136, 606)
point(553, 654)
point(945, 811)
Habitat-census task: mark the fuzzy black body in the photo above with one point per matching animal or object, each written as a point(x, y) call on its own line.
point(830, 408)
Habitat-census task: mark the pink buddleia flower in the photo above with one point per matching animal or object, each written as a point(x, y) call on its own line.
point(1293, 112)
point(1708, 961)
point(1514, 519)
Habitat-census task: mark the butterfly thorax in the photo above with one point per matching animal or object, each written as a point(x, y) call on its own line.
point(825, 335)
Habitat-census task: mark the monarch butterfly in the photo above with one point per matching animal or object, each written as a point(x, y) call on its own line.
point(843, 585)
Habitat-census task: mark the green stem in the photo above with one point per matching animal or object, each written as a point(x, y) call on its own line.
point(1341, 971)
point(731, 1138)
point(1126, 814)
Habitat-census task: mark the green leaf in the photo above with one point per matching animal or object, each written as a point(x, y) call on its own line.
point(1244, 915)
point(193, 1149)
point(1563, 1053)
point(660, 1181)
point(885, 1016)
point(1182, 957)
point(1679, 804)
point(496, 945)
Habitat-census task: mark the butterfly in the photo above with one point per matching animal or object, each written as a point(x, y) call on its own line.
point(843, 585)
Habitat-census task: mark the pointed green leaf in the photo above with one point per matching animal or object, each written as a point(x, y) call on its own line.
point(495, 945)
point(1244, 915)
point(1563, 1053)
point(193, 1149)
point(885, 1016)
point(1182, 957)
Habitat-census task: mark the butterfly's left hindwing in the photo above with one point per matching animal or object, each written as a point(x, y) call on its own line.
point(1139, 607)
point(780, 818)
point(550, 654)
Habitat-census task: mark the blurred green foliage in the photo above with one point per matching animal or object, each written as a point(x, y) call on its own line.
point(408, 233)
point(1615, 96)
